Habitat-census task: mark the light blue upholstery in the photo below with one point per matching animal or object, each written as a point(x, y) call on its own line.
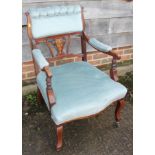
point(80, 90)
point(39, 58)
point(99, 45)
point(55, 20)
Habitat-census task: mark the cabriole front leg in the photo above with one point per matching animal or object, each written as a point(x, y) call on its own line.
point(59, 132)
point(119, 107)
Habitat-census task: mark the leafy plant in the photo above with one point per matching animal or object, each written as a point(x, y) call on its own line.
point(32, 102)
point(31, 98)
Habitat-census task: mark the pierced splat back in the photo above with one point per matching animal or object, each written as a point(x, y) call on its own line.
point(58, 44)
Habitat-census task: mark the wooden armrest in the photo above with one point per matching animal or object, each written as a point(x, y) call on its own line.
point(113, 70)
point(50, 93)
point(109, 52)
point(114, 55)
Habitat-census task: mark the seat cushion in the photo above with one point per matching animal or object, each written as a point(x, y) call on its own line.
point(80, 90)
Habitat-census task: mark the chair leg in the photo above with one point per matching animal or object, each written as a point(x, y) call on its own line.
point(39, 96)
point(120, 105)
point(59, 130)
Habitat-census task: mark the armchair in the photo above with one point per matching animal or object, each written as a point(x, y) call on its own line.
point(74, 90)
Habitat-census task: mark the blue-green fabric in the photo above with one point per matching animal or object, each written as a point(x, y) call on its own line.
point(39, 58)
point(55, 20)
point(99, 45)
point(80, 90)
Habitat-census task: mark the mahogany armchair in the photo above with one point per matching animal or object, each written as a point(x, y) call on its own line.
point(75, 90)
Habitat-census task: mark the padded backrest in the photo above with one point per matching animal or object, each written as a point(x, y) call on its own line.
point(55, 20)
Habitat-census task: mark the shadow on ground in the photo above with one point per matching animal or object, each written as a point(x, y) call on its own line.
point(93, 136)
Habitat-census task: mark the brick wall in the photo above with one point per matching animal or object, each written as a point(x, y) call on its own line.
point(95, 58)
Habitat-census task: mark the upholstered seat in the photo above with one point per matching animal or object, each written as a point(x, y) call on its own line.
point(80, 90)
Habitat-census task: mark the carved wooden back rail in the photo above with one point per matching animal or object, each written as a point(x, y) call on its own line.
point(58, 43)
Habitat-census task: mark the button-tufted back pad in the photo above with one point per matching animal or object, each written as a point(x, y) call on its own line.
point(55, 20)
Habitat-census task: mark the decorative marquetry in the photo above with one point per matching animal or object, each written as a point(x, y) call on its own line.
point(59, 44)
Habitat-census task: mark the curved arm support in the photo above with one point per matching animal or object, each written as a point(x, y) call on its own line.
point(50, 93)
point(113, 70)
point(99, 46)
point(44, 66)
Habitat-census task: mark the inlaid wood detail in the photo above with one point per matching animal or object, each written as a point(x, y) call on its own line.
point(59, 44)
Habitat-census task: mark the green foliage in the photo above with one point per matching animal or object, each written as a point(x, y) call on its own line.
point(31, 101)
point(31, 98)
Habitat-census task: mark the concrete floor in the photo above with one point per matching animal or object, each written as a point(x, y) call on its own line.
point(93, 136)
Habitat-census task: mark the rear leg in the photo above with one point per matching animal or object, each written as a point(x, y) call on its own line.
point(39, 97)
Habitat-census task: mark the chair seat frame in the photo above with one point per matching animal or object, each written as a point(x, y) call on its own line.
point(59, 44)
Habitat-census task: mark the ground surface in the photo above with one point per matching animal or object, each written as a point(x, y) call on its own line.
point(93, 136)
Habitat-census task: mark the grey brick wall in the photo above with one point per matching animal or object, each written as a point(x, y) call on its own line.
point(109, 21)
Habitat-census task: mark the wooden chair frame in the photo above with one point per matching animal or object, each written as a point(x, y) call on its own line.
point(59, 44)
